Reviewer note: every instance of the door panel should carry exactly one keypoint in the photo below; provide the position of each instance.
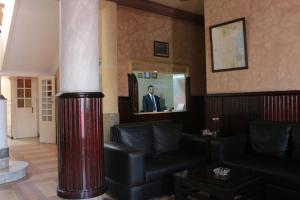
(47, 110)
(25, 122)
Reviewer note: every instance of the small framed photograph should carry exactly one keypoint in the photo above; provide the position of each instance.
(140, 75)
(147, 75)
(154, 75)
(161, 49)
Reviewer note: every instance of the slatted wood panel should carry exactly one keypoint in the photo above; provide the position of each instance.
(282, 108)
(80, 145)
(213, 109)
(236, 110)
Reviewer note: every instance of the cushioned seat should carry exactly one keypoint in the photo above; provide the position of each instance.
(281, 172)
(164, 165)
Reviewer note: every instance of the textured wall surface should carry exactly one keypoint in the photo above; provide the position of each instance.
(138, 29)
(273, 42)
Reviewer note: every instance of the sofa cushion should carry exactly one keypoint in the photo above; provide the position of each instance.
(296, 142)
(138, 137)
(278, 171)
(269, 139)
(165, 165)
(166, 137)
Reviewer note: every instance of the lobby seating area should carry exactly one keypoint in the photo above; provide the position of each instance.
(141, 158)
(150, 99)
(270, 148)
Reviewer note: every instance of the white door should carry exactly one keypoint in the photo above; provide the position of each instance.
(47, 110)
(25, 120)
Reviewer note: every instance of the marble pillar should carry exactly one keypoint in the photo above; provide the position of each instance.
(79, 104)
(9, 170)
(4, 153)
(79, 46)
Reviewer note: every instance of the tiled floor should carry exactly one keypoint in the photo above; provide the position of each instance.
(41, 180)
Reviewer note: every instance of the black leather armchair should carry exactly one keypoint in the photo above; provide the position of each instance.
(228, 148)
(124, 164)
(135, 174)
(269, 148)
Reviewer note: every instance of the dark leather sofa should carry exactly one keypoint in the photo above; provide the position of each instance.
(141, 158)
(273, 149)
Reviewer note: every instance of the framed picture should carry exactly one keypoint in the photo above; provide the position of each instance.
(161, 49)
(228, 46)
(154, 75)
(140, 75)
(147, 75)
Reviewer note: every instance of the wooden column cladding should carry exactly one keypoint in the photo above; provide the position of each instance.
(80, 145)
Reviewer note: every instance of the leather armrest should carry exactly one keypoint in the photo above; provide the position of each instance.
(195, 144)
(228, 147)
(124, 164)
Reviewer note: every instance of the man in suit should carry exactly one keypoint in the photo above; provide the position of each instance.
(151, 101)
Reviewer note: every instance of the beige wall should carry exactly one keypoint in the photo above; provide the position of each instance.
(138, 29)
(273, 37)
(109, 67)
(109, 57)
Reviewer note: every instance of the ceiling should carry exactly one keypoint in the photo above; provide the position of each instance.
(33, 39)
(192, 6)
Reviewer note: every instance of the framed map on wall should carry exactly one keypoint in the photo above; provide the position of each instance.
(228, 46)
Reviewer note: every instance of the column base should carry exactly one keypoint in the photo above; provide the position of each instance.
(4, 158)
(4, 163)
(80, 194)
(15, 171)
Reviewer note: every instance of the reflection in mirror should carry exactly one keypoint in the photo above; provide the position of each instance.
(160, 92)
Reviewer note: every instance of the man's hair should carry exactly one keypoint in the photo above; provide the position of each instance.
(150, 86)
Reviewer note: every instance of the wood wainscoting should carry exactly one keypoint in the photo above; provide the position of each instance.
(231, 112)
(192, 120)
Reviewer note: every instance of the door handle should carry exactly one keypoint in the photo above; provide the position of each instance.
(31, 109)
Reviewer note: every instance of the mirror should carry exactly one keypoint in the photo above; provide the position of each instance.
(155, 92)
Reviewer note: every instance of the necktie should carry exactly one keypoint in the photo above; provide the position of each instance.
(153, 102)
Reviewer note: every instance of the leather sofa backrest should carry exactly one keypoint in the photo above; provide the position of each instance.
(136, 135)
(295, 142)
(115, 134)
(270, 139)
(166, 137)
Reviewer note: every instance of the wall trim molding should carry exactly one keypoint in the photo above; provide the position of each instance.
(237, 94)
(161, 10)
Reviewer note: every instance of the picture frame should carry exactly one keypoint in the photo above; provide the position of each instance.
(228, 46)
(147, 75)
(161, 49)
(154, 75)
(140, 75)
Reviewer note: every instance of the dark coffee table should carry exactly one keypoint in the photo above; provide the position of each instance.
(201, 184)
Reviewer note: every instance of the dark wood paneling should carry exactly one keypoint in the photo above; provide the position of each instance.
(161, 10)
(80, 145)
(213, 112)
(192, 120)
(124, 105)
(236, 110)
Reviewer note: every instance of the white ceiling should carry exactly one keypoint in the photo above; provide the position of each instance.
(192, 6)
(34, 38)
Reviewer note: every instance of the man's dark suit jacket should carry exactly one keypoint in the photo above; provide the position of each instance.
(148, 105)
